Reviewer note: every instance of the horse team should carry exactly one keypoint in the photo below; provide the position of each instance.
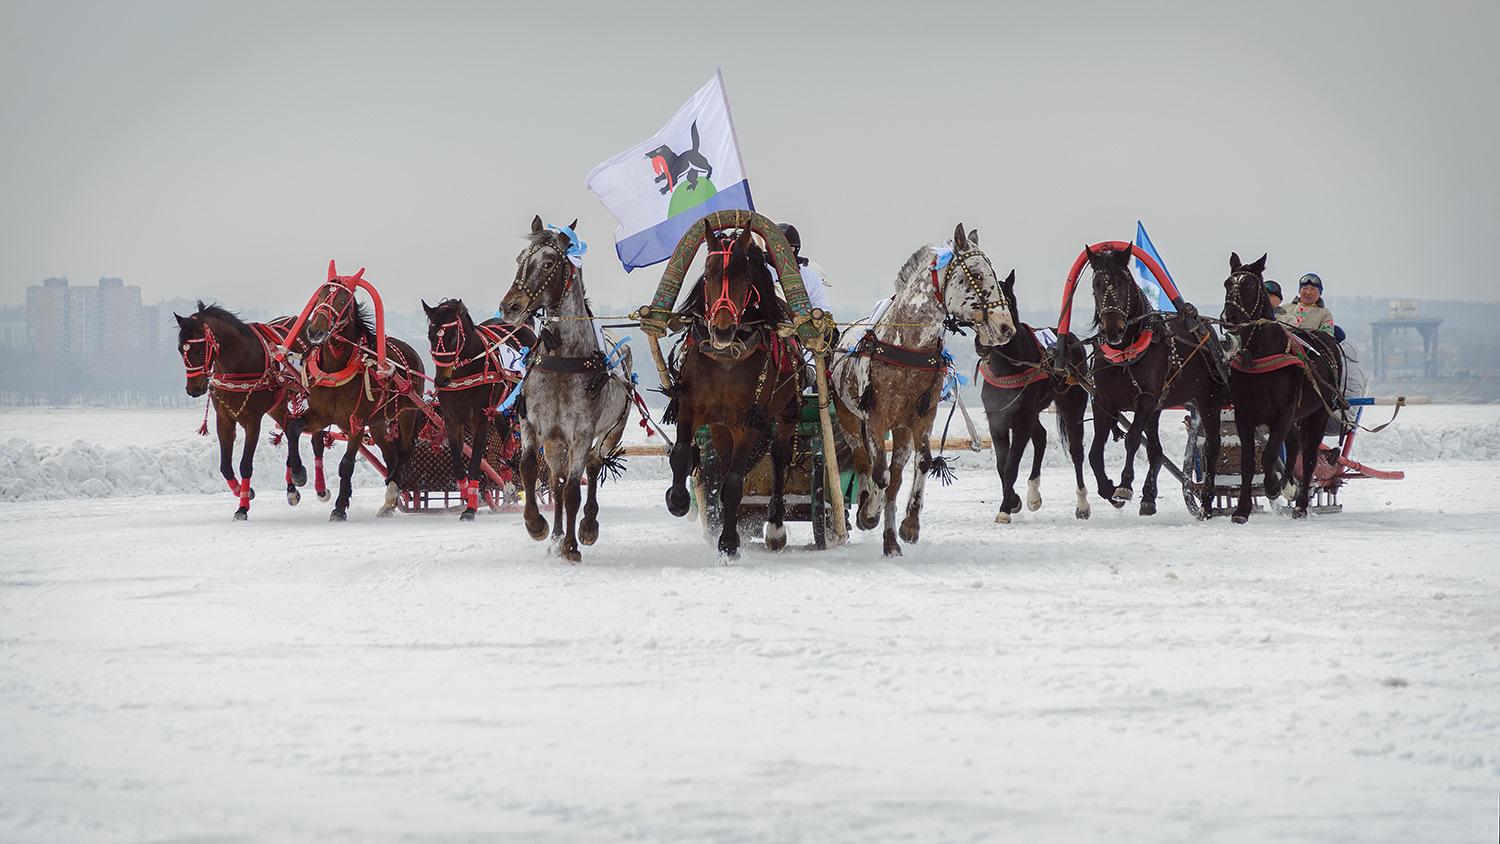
(740, 371)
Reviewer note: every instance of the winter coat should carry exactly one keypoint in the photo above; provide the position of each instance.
(1311, 317)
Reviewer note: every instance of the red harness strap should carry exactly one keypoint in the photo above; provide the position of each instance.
(1030, 375)
(1271, 363)
(1129, 353)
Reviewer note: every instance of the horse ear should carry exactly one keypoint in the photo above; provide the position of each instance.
(332, 273)
(536, 224)
(974, 238)
(746, 238)
(201, 306)
(960, 242)
(426, 309)
(1234, 262)
(1259, 266)
(181, 323)
(1010, 280)
(574, 227)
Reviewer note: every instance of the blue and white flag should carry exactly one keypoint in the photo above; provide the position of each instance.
(660, 188)
(1146, 278)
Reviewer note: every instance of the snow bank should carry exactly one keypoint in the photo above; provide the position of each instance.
(186, 464)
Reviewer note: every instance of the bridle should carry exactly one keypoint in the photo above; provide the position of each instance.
(712, 307)
(336, 315)
(1114, 291)
(441, 354)
(974, 281)
(210, 348)
(1233, 284)
(533, 290)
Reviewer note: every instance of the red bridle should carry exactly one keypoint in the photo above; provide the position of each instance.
(724, 300)
(441, 354)
(210, 347)
(336, 316)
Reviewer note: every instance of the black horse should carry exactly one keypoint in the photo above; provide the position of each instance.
(1017, 387)
(1144, 361)
(1282, 377)
(472, 378)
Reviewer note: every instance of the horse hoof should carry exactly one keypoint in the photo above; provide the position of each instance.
(1299, 513)
(867, 524)
(588, 532)
(892, 549)
(299, 477)
(1082, 513)
(293, 497)
(242, 514)
(1148, 508)
(910, 533)
(728, 555)
(323, 495)
(1238, 519)
(775, 537)
(1118, 503)
(467, 515)
(386, 512)
(1033, 504)
(1002, 518)
(537, 529)
(252, 493)
(338, 515)
(677, 501)
(571, 555)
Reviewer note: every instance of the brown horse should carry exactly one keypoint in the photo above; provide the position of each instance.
(738, 376)
(473, 373)
(573, 402)
(231, 360)
(891, 383)
(347, 387)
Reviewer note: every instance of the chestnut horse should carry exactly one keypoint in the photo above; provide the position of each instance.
(573, 402)
(892, 380)
(1284, 378)
(347, 387)
(231, 360)
(1144, 361)
(736, 375)
(475, 368)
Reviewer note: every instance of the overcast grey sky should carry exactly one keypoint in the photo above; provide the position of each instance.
(229, 150)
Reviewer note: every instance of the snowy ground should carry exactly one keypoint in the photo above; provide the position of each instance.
(167, 674)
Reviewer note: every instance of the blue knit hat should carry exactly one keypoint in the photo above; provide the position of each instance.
(1311, 278)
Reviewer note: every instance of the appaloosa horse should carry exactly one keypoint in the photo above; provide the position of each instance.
(475, 368)
(1144, 361)
(1284, 378)
(232, 360)
(892, 380)
(575, 399)
(1017, 385)
(348, 386)
(739, 377)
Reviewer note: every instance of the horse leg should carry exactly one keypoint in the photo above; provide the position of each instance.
(872, 488)
(588, 529)
(1016, 438)
(571, 477)
(1244, 426)
(732, 491)
(1000, 442)
(1038, 451)
(296, 473)
(558, 466)
(900, 452)
(1133, 437)
(319, 444)
(1210, 418)
(473, 475)
(1104, 422)
(911, 526)
(1311, 435)
(247, 465)
(391, 452)
(1070, 424)
(355, 436)
(781, 461)
(536, 525)
(681, 460)
(1153, 464)
(225, 428)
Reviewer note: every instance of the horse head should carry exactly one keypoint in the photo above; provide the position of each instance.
(738, 294)
(1118, 300)
(1245, 296)
(543, 274)
(196, 342)
(972, 294)
(448, 324)
(334, 307)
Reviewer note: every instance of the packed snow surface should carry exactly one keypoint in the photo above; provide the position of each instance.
(168, 674)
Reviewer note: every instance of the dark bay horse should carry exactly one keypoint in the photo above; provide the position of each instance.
(573, 403)
(1284, 378)
(475, 368)
(893, 380)
(736, 375)
(232, 360)
(347, 387)
(1145, 361)
(1017, 386)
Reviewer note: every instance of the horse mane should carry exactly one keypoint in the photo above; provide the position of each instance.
(362, 321)
(222, 314)
(920, 258)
